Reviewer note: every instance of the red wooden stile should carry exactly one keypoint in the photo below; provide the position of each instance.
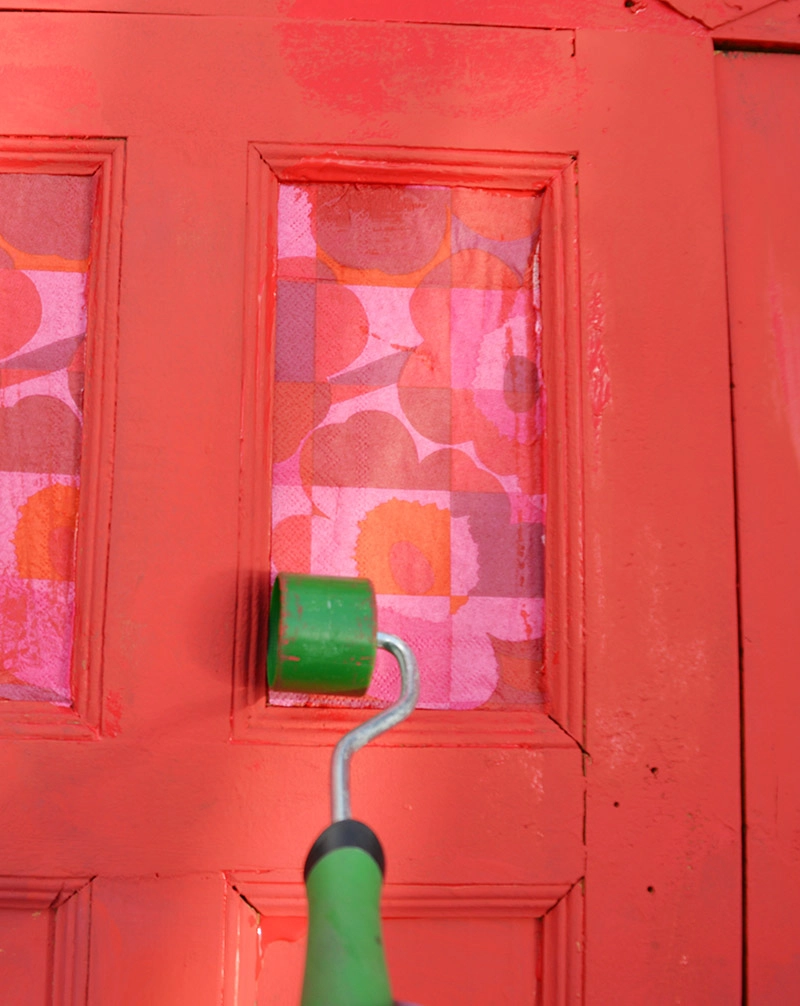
(759, 106)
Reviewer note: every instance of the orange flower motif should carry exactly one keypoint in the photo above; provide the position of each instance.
(404, 548)
(45, 536)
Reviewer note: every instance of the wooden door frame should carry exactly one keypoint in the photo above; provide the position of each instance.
(561, 723)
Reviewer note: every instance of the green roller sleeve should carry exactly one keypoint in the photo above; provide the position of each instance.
(322, 633)
(345, 961)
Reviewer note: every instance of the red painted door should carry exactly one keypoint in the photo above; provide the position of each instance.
(558, 835)
(759, 106)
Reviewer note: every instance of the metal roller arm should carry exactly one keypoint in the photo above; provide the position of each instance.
(372, 728)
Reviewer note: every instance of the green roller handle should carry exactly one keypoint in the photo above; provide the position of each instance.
(345, 960)
(322, 634)
(322, 640)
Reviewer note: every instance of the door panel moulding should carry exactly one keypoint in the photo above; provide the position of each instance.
(554, 175)
(70, 901)
(555, 909)
(105, 159)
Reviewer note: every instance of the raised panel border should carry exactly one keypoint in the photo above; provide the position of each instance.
(105, 158)
(557, 907)
(70, 898)
(560, 722)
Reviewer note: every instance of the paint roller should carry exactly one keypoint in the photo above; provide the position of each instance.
(322, 640)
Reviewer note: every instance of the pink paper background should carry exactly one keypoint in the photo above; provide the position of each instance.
(45, 230)
(409, 424)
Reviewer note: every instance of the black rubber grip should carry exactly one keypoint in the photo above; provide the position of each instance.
(348, 834)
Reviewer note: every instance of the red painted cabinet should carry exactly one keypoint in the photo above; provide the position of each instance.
(582, 845)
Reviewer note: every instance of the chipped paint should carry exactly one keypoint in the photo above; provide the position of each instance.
(599, 377)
